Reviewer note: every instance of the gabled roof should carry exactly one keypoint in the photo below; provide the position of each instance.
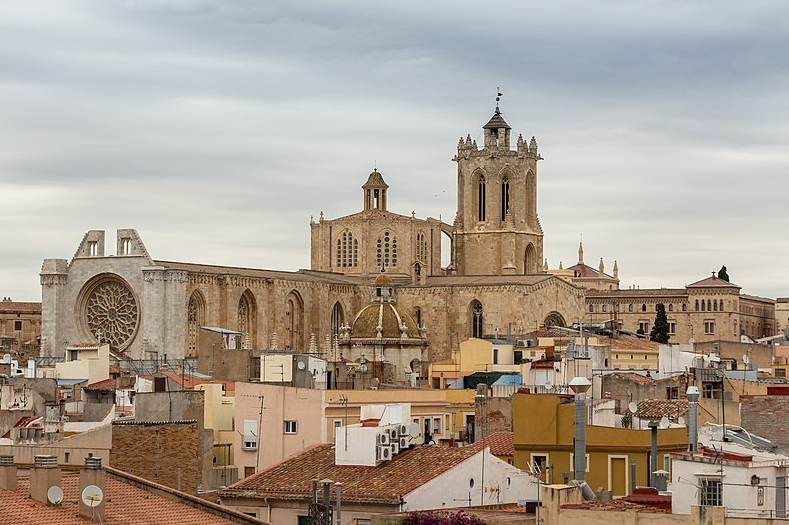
(584, 270)
(387, 483)
(712, 281)
(129, 501)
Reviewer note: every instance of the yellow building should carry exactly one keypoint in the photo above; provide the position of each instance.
(477, 355)
(629, 353)
(543, 432)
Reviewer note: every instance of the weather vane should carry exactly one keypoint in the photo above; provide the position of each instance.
(499, 94)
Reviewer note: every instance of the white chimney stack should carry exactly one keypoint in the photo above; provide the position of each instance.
(44, 475)
(7, 473)
(91, 490)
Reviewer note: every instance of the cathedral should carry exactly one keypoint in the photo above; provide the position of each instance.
(375, 280)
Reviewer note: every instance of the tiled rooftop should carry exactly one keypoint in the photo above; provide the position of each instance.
(129, 501)
(387, 483)
(500, 444)
(657, 408)
(16, 306)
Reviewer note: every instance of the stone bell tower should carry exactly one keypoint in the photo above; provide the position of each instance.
(497, 231)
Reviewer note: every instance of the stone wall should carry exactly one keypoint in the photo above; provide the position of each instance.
(165, 453)
(766, 416)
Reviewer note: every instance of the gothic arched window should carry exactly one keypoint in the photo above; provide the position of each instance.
(721, 305)
(481, 198)
(530, 260)
(421, 247)
(476, 319)
(505, 197)
(294, 321)
(195, 316)
(337, 319)
(347, 250)
(386, 254)
(697, 305)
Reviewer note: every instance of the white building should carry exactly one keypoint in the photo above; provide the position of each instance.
(738, 474)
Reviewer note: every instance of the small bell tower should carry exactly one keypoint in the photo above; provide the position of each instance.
(375, 192)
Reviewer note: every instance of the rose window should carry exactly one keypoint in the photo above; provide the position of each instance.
(111, 313)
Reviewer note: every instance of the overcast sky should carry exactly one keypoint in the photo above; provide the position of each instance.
(217, 128)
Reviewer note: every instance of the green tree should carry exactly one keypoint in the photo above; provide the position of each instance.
(659, 331)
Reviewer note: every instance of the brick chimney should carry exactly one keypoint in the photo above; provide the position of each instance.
(7, 473)
(91, 500)
(44, 475)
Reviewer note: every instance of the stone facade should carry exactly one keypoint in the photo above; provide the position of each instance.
(20, 326)
(147, 308)
(708, 310)
(766, 416)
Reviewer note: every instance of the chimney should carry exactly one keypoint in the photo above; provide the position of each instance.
(44, 475)
(91, 490)
(7, 473)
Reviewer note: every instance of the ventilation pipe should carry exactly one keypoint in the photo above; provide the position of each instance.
(7, 473)
(580, 385)
(693, 409)
(327, 501)
(338, 501)
(633, 483)
(653, 426)
(44, 475)
(91, 490)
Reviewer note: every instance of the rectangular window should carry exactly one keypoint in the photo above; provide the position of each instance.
(710, 492)
(290, 427)
(250, 435)
(672, 327)
(436, 425)
(709, 327)
(495, 356)
(605, 308)
(18, 325)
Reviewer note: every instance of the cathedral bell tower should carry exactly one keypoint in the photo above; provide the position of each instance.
(496, 229)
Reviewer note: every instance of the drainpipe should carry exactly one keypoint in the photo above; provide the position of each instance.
(338, 486)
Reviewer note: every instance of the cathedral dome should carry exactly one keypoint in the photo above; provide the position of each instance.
(389, 317)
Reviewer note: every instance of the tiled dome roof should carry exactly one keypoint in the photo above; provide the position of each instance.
(386, 315)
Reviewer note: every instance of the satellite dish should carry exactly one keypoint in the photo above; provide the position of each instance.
(664, 422)
(301, 365)
(55, 495)
(413, 430)
(681, 420)
(548, 386)
(633, 407)
(92, 496)
(745, 358)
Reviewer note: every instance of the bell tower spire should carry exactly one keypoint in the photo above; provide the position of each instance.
(497, 231)
(375, 192)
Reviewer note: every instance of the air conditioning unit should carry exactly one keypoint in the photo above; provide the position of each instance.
(383, 453)
(382, 439)
(395, 447)
(393, 434)
(402, 430)
(403, 443)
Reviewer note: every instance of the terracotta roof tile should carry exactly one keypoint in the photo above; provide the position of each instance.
(129, 501)
(500, 444)
(16, 306)
(386, 483)
(586, 271)
(657, 408)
